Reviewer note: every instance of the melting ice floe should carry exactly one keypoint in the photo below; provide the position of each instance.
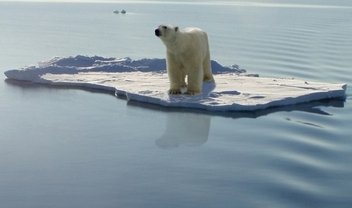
(145, 80)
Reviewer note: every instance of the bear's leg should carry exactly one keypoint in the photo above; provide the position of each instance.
(175, 84)
(195, 81)
(183, 78)
(177, 81)
(175, 76)
(208, 75)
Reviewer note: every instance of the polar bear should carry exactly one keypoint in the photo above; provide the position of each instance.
(187, 54)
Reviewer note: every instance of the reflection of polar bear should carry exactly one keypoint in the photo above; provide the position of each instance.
(187, 55)
(184, 129)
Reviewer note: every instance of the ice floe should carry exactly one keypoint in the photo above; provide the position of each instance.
(145, 80)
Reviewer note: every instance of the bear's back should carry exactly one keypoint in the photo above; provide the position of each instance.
(192, 30)
(194, 34)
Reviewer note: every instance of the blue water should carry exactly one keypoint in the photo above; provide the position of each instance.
(74, 148)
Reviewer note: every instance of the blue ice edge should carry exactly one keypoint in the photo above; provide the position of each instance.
(335, 94)
(74, 65)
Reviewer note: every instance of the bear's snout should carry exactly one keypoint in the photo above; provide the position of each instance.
(157, 32)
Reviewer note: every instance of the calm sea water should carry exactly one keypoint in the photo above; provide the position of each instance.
(74, 148)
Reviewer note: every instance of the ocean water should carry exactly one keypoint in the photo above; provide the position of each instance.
(74, 148)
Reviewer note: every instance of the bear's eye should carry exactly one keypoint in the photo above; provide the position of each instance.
(164, 27)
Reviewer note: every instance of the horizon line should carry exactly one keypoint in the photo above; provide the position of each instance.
(240, 3)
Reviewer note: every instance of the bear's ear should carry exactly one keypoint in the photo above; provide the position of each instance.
(176, 29)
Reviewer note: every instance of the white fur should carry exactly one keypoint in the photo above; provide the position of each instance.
(187, 55)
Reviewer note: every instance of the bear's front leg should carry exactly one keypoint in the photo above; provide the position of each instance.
(195, 81)
(174, 91)
(175, 82)
(176, 75)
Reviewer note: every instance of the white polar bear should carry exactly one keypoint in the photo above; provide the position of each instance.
(187, 55)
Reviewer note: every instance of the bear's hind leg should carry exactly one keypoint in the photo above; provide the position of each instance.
(208, 75)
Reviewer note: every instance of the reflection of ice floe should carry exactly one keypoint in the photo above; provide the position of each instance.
(145, 80)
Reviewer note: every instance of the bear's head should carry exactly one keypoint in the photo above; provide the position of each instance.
(166, 32)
